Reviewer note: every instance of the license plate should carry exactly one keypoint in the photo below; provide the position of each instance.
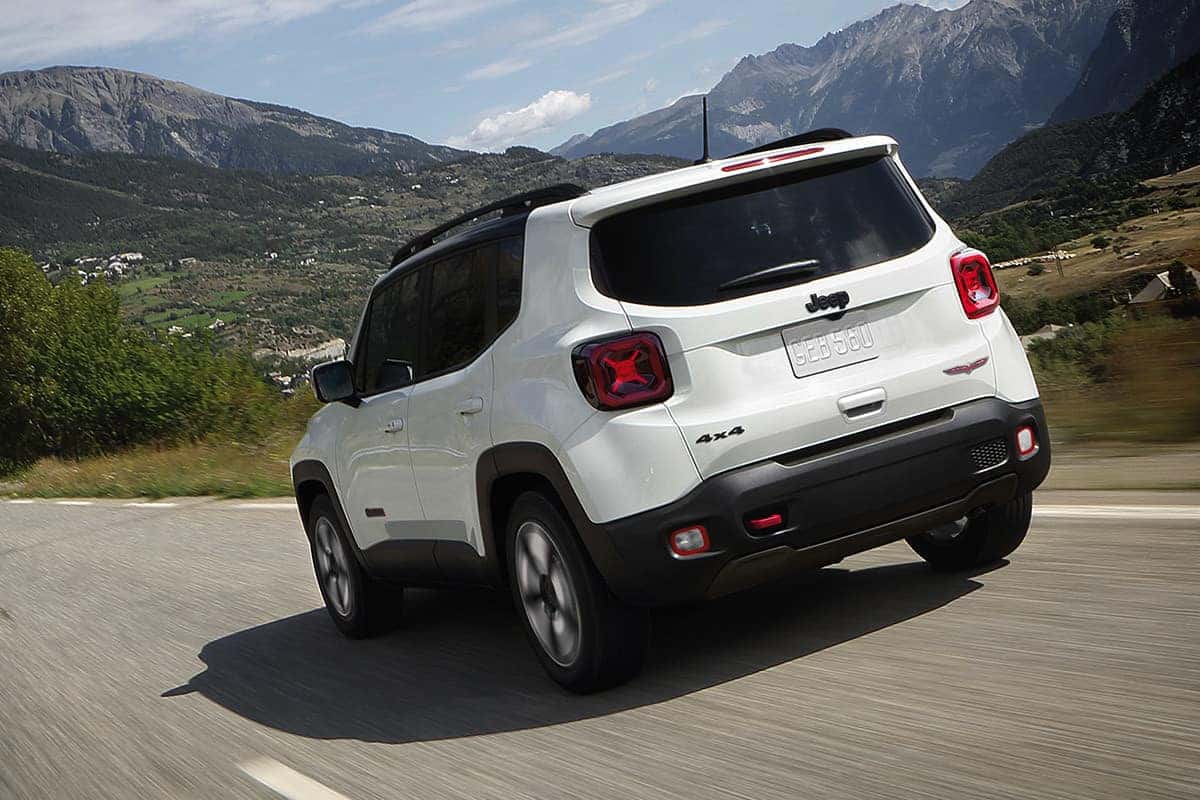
(811, 352)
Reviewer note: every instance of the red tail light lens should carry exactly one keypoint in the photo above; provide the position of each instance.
(976, 285)
(623, 373)
(1027, 443)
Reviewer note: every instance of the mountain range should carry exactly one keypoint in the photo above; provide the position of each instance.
(98, 109)
(953, 86)
(1157, 135)
(1143, 40)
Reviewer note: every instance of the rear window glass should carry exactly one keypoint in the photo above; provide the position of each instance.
(803, 225)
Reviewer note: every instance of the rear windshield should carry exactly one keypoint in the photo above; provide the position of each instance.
(799, 226)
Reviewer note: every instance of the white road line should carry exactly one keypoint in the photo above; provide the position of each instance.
(1119, 512)
(266, 506)
(287, 782)
(151, 505)
(20, 502)
(72, 502)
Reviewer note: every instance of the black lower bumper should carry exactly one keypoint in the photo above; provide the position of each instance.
(851, 495)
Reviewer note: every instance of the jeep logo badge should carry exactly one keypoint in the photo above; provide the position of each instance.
(821, 302)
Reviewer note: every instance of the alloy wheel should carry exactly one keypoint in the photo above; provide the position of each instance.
(547, 593)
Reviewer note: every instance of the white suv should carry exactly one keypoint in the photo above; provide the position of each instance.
(670, 389)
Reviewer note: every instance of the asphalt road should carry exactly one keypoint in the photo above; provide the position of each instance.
(179, 650)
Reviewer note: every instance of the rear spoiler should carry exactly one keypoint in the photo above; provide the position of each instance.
(782, 157)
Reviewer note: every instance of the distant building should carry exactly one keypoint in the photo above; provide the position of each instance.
(129, 258)
(1159, 288)
(188, 261)
(217, 325)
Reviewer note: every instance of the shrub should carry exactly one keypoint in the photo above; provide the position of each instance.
(79, 380)
(1100, 242)
(1183, 282)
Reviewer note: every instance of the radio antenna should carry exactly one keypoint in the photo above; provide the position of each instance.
(704, 158)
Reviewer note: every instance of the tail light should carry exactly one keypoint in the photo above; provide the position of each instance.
(976, 285)
(623, 373)
(1027, 443)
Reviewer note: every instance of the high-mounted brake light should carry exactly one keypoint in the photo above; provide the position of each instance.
(775, 159)
(976, 284)
(808, 151)
(742, 165)
(624, 372)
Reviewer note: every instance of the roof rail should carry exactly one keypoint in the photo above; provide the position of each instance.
(516, 204)
(819, 135)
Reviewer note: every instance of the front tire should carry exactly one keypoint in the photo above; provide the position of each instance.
(977, 540)
(585, 638)
(358, 605)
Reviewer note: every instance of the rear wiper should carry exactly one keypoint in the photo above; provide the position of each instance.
(773, 274)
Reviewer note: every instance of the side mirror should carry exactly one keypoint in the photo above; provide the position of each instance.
(333, 381)
(394, 374)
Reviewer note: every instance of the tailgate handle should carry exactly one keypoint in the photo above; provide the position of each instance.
(862, 404)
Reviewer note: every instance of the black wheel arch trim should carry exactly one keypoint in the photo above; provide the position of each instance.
(531, 458)
(313, 471)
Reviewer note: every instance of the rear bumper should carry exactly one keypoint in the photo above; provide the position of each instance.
(851, 495)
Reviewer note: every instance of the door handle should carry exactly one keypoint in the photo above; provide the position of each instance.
(472, 405)
(394, 426)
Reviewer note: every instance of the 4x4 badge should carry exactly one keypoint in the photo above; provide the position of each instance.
(966, 369)
(737, 430)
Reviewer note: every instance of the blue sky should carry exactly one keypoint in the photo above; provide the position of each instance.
(475, 73)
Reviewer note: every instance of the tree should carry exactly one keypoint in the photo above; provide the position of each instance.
(78, 379)
(1100, 242)
(1182, 280)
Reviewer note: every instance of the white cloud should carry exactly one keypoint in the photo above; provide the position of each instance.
(650, 86)
(38, 32)
(700, 30)
(498, 69)
(430, 14)
(608, 77)
(606, 17)
(943, 4)
(548, 111)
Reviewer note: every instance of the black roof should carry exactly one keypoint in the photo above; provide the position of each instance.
(517, 205)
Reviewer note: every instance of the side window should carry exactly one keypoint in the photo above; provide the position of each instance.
(392, 328)
(508, 281)
(456, 317)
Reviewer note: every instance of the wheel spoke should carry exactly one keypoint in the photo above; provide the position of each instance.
(540, 621)
(565, 634)
(528, 581)
(538, 548)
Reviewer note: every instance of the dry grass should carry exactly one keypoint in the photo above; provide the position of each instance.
(214, 468)
(1150, 390)
(1158, 239)
(221, 470)
(1184, 177)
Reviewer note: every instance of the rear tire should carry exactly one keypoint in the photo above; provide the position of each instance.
(586, 639)
(985, 538)
(358, 605)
